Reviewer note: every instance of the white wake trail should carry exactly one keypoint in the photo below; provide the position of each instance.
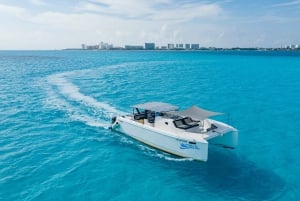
(71, 92)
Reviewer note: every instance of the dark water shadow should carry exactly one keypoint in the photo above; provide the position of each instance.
(231, 176)
(226, 173)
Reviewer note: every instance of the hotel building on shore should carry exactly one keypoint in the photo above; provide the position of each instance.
(147, 46)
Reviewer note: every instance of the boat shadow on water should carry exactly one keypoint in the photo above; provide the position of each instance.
(231, 176)
(226, 174)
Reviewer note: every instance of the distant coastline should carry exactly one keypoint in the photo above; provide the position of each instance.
(181, 47)
(200, 49)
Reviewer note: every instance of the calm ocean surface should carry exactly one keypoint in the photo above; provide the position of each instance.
(56, 107)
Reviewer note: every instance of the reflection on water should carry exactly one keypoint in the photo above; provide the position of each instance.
(231, 176)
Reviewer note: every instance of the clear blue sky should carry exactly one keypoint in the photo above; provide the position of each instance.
(45, 24)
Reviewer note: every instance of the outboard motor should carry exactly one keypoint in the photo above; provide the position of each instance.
(113, 120)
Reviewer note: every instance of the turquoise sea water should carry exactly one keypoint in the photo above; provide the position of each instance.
(56, 107)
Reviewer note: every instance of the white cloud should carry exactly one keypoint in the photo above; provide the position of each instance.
(153, 10)
(128, 8)
(90, 7)
(190, 12)
(12, 10)
(39, 2)
(290, 3)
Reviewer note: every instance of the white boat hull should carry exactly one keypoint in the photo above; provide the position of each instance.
(229, 140)
(168, 142)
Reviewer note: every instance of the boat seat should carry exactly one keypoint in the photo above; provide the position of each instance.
(190, 122)
(180, 123)
(212, 128)
(151, 117)
(139, 116)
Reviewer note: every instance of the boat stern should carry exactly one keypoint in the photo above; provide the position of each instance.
(114, 123)
(228, 139)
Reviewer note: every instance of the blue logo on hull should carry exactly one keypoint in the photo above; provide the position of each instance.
(188, 146)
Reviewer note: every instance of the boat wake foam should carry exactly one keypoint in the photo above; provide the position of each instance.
(66, 96)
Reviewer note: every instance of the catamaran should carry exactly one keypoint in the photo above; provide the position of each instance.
(186, 133)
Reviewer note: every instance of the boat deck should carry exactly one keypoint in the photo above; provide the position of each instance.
(205, 129)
